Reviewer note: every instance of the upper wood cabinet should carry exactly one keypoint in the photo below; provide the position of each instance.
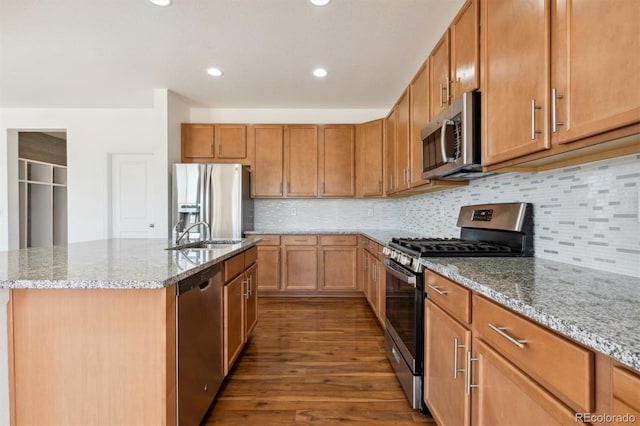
(225, 143)
(231, 141)
(440, 76)
(403, 160)
(419, 95)
(197, 141)
(301, 160)
(515, 101)
(369, 170)
(390, 186)
(268, 168)
(563, 74)
(464, 40)
(337, 160)
(595, 67)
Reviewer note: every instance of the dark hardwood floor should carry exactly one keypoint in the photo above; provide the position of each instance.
(314, 360)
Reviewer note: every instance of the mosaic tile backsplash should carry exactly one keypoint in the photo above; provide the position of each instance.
(585, 215)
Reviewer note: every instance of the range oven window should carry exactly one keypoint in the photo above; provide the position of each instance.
(404, 310)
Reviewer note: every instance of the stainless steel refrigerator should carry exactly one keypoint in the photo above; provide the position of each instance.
(218, 194)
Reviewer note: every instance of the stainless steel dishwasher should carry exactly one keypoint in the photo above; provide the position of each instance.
(199, 343)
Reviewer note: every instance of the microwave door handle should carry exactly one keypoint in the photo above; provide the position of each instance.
(443, 132)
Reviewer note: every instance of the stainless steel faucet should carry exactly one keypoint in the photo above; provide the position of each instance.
(193, 225)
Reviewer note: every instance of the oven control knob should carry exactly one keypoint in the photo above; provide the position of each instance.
(404, 260)
(394, 255)
(415, 265)
(386, 251)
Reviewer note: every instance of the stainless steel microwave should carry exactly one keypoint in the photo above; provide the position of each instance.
(451, 141)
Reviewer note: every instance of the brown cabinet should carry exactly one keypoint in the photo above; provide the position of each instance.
(226, 143)
(515, 103)
(337, 161)
(374, 277)
(269, 276)
(338, 263)
(464, 35)
(446, 347)
(240, 303)
(503, 395)
(390, 186)
(370, 149)
(197, 142)
(625, 392)
(231, 141)
(301, 160)
(595, 77)
(403, 160)
(562, 81)
(419, 95)
(268, 168)
(440, 76)
(300, 262)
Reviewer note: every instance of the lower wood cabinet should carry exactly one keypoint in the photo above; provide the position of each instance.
(625, 393)
(337, 263)
(445, 357)
(240, 304)
(269, 260)
(300, 268)
(374, 277)
(504, 395)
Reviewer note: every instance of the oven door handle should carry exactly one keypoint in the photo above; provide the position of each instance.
(400, 273)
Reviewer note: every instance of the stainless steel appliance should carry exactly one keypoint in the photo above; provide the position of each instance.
(199, 313)
(216, 194)
(504, 229)
(451, 141)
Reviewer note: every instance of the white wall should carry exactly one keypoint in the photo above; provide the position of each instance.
(282, 115)
(92, 134)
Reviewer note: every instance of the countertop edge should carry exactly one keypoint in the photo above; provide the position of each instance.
(570, 331)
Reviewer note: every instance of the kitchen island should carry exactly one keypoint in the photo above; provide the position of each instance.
(92, 330)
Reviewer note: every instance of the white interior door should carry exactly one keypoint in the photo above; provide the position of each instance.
(131, 195)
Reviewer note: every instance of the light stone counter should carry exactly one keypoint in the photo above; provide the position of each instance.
(600, 310)
(116, 263)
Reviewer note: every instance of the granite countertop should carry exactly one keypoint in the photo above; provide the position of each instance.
(600, 310)
(114, 264)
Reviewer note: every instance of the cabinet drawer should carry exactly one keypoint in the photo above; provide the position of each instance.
(268, 240)
(338, 240)
(453, 297)
(250, 257)
(233, 267)
(299, 240)
(626, 392)
(560, 365)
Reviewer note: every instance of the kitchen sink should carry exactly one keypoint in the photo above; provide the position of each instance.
(205, 245)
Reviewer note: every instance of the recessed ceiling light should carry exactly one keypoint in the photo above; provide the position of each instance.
(320, 72)
(214, 72)
(162, 2)
(320, 2)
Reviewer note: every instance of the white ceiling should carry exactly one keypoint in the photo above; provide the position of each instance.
(113, 53)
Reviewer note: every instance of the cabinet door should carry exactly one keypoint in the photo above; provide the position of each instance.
(337, 161)
(197, 142)
(234, 325)
(516, 78)
(440, 76)
(595, 75)
(446, 345)
(403, 163)
(302, 161)
(338, 268)
(231, 141)
(267, 173)
(370, 149)
(268, 268)
(419, 118)
(465, 49)
(506, 396)
(390, 152)
(372, 294)
(251, 297)
(300, 267)
(381, 274)
(366, 277)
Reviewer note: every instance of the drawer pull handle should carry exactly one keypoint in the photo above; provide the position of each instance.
(500, 331)
(437, 290)
(301, 240)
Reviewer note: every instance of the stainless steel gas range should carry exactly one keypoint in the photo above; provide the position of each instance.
(489, 230)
